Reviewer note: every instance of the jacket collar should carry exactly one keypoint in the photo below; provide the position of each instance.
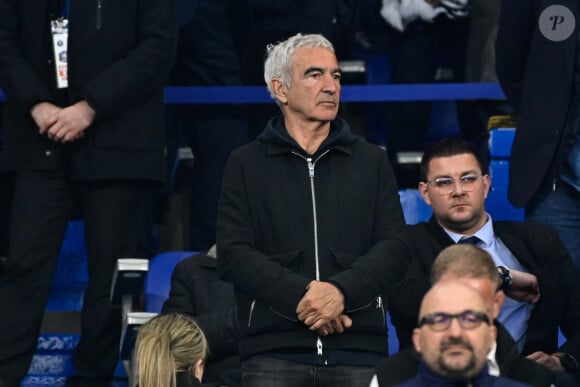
(279, 141)
(432, 379)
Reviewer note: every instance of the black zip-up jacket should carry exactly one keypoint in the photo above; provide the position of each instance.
(287, 218)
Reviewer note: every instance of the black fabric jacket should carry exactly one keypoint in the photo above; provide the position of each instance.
(537, 247)
(425, 377)
(119, 55)
(197, 291)
(404, 365)
(537, 76)
(282, 211)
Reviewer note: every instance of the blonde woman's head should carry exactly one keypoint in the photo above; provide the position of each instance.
(168, 344)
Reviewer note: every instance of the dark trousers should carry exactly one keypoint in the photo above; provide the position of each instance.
(265, 371)
(43, 202)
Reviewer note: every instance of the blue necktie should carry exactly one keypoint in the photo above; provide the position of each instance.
(472, 240)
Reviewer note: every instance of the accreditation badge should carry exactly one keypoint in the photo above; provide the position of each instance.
(59, 29)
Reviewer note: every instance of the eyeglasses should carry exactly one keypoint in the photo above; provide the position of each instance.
(446, 185)
(468, 319)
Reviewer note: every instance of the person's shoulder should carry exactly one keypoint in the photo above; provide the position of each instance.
(195, 261)
(527, 227)
(422, 231)
(398, 368)
(366, 148)
(534, 234)
(527, 372)
(248, 148)
(249, 154)
(501, 381)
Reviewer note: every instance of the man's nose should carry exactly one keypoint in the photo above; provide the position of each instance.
(458, 187)
(455, 329)
(331, 84)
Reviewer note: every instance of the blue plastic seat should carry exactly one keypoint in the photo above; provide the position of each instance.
(158, 279)
(497, 203)
(415, 209)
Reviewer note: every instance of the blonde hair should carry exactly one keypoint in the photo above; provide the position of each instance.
(464, 260)
(168, 344)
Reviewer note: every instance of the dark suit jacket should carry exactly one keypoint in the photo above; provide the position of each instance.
(120, 55)
(537, 247)
(198, 292)
(404, 365)
(536, 74)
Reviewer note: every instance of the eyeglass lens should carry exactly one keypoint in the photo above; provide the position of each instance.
(441, 321)
(446, 185)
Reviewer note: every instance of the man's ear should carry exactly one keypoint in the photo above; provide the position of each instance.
(416, 339)
(499, 298)
(423, 191)
(486, 184)
(279, 89)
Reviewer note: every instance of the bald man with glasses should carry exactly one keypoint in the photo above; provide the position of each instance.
(475, 268)
(453, 337)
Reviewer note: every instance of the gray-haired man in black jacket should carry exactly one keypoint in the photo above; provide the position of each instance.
(307, 220)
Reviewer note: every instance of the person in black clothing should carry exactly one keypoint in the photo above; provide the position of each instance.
(197, 291)
(83, 124)
(538, 68)
(206, 56)
(170, 351)
(308, 217)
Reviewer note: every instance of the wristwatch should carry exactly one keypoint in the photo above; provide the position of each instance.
(568, 361)
(505, 277)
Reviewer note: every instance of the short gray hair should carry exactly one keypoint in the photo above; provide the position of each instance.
(279, 56)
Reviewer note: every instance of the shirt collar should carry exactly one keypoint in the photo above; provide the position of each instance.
(492, 364)
(485, 233)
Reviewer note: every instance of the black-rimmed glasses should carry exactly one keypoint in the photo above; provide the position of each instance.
(468, 319)
(446, 185)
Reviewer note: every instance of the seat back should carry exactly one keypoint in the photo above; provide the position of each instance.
(497, 203)
(415, 209)
(158, 279)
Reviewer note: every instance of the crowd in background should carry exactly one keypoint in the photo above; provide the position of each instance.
(224, 43)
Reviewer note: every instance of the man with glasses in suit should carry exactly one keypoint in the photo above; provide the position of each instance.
(535, 269)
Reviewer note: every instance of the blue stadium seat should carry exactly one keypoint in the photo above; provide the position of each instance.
(70, 277)
(392, 335)
(158, 279)
(497, 203)
(415, 209)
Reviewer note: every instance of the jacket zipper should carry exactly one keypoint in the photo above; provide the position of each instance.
(99, 14)
(251, 312)
(311, 164)
(378, 300)
(253, 304)
(381, 306)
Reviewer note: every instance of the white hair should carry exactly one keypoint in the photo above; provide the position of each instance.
(279, 57)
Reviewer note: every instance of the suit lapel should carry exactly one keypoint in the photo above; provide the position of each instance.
(440, 235)
(516, 243)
